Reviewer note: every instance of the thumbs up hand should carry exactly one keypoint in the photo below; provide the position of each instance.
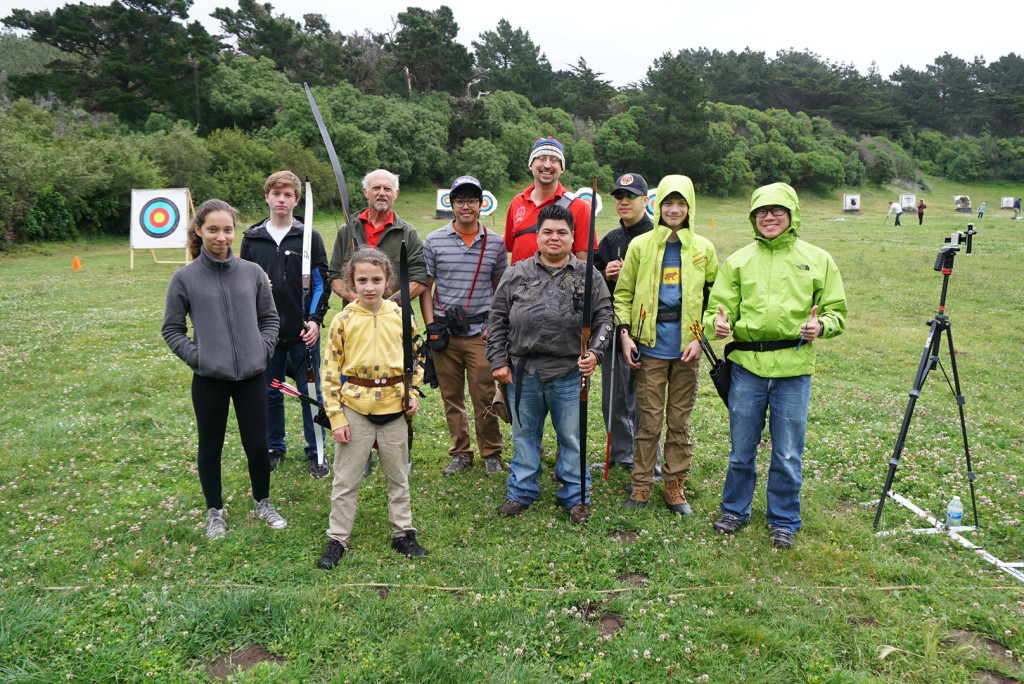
(722, 327)
(812, 328)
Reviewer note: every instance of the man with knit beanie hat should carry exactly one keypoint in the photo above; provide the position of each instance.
(546, 163)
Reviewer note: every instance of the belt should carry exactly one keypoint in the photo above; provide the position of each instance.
(374, 382)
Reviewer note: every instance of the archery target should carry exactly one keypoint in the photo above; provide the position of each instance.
(159, 218)
(444, 200)
(851, 202)
(443, 208)
(489, 204)
(588, 194)
(651, 196)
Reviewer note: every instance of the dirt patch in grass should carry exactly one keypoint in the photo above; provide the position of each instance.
(383, 592)
(609, 622)
(972, 642)
(623, 536)
(637, 579)
(862, 621)
(241, 660)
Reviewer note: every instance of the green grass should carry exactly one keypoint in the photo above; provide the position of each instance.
(105, 574)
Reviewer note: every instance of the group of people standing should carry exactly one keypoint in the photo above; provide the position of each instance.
(516, 321)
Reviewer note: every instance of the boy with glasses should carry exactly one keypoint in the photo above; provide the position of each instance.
(775, 297)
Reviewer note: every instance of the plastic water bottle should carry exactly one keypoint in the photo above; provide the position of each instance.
(955, 512)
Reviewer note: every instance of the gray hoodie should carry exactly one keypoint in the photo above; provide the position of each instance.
(233, 317)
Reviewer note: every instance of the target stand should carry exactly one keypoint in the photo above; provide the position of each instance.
(160, 220)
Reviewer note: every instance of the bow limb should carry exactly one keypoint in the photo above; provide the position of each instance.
(339, 175)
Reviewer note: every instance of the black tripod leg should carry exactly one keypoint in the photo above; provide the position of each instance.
(929, 357)
(960, 401)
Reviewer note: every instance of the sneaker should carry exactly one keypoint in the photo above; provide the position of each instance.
(579, 514)
(216, 526)
(674, 497)
(318, 471)
(727, 524)
(783, 539)
(408, 546)
(265, 511)
(511, 508)
(332, 554)
(638, 498)
(275, 459)
(459, 463)
(492, 465)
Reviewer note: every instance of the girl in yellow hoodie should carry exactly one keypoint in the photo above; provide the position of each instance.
(363, 395)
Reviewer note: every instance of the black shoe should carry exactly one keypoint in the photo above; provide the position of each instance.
(408, 546)
(783, 539)
(332, 554)
(318, 471)
(727, 524)
(275, 459)
(459, 463)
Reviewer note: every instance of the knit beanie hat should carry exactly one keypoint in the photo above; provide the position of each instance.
(547, 146)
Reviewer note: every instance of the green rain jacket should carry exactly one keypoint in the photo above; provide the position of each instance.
(768, 288)
(640, 278)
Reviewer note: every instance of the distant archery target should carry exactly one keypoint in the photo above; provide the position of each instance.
(443, 207)
(588, 194)
(159, 217)
(489, 204)
(444, 200)
(651, 196)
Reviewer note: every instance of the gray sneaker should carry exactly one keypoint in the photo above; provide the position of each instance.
(216, 526)
(459, 463)
(265, 511)
(492, 465)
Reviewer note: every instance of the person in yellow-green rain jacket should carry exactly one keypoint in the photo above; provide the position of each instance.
(775, 297)
(662, 288)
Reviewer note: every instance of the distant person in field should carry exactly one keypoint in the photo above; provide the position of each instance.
(546, 163)
(1016, 209)
(776, 297)
(895, 207)
(981, 210)
(234, 332)
(275, 243)
(921, 206)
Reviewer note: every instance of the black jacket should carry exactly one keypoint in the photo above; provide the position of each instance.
(613, 246)
(283, 265)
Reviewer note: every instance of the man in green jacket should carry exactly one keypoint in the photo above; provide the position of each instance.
(661, 289)
(775, 297)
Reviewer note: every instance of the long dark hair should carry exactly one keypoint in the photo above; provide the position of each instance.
(202, 211)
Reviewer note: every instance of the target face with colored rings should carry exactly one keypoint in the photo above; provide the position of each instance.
(487, 204)
(159, 217)
(446, 200)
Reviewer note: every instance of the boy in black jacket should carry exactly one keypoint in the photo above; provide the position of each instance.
(276, 245)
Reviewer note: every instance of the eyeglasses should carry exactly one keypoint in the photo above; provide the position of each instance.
(465, 202)
(774, 211)
(625, 195)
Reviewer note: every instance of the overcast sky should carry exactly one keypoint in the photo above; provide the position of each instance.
(622, 41)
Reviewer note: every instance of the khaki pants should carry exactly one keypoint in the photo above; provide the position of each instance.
(349, 462)
(463, 360)
(651, 381)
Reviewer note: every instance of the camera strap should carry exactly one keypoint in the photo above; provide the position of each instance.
(479, 262)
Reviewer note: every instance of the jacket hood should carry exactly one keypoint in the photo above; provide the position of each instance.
(779, 194)
(684, 186)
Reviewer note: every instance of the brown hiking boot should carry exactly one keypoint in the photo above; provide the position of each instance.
(674, 497)
(638, 498)
(579, 514)
(511, 508)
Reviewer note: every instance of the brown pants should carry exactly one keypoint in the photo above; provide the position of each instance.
(651, 381)
(463, 360)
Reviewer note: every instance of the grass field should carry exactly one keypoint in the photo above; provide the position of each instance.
(106, 575)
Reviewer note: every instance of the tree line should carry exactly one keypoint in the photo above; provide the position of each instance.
(214, 113)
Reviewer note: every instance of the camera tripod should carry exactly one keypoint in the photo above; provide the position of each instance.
(938, 326)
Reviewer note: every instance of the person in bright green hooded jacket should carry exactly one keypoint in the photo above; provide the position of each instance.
(776, 297)
(665, 277)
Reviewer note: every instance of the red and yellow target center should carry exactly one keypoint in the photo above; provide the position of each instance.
(159, 218)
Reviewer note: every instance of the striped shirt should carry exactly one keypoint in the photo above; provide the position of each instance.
(451, 264)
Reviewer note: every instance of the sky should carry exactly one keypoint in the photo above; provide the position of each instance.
(622, 43)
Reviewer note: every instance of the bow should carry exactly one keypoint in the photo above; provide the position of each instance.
(310, 297)
(408, 356)
(331, 154)
(587, 324)
(292, 391)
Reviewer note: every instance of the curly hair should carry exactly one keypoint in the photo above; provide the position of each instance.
(202, 211)
(374, 257)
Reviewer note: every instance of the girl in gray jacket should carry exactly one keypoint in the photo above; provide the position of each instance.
(235, 328)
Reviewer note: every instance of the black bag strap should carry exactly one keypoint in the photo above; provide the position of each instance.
(472, 285)
(768, 345)
(564, 201)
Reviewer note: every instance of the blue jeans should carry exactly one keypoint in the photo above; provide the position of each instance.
(787, 399)
(561, 398)
(296, 351)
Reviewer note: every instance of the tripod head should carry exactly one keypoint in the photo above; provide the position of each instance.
(944, 260)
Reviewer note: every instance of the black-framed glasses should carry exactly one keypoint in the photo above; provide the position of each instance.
(472, 202)
(626, 195)
(777, 212)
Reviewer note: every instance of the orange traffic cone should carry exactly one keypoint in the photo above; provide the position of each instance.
(76, 265)
(712, 223)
